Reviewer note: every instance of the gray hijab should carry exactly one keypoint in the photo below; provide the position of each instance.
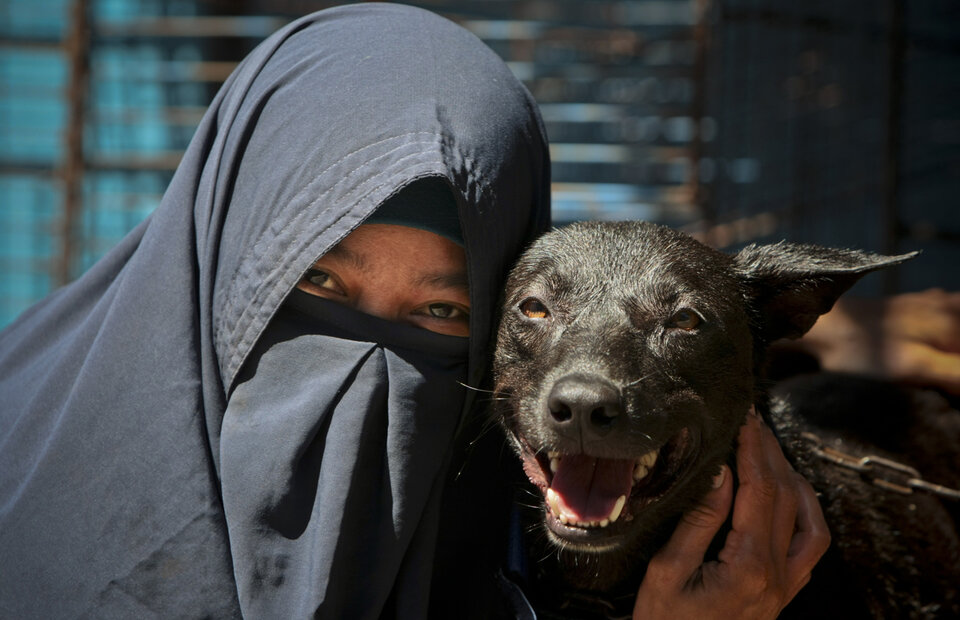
(135, 403)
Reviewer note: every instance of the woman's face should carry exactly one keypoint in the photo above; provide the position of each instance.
(397, 273)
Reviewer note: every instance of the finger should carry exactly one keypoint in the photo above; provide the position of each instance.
(812, 537)
(810, 542)
(683, 554)
(787, 494)
(753, 509)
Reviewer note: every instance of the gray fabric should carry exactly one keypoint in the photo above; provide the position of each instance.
(360, 408)
(113, 474)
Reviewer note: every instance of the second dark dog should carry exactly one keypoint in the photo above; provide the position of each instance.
(627, 357)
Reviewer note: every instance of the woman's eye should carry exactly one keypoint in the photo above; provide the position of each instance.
(443, 318)
(445, 311)
(534, 309)
(685, 319)
(322, 279)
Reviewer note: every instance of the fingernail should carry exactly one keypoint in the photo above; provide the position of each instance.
(719, 478)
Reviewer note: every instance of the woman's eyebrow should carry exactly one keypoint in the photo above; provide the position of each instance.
(454, 279)
(344, 255)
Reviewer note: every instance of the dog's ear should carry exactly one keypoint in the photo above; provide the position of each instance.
(789, 285)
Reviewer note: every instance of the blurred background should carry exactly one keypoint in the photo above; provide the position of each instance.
(736, 120)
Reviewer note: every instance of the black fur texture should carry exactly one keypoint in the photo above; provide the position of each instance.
(650, 340)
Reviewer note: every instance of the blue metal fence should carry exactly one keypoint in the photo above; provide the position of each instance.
(739, 120)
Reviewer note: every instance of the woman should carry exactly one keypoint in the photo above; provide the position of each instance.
(183, 433)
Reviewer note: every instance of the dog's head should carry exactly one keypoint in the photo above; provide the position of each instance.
(625, 366)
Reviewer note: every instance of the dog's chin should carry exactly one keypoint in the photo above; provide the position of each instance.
(629, 489)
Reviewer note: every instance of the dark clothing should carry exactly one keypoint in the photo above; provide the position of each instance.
(147, 467)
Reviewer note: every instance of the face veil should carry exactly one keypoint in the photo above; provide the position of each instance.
(148, 464)
(359, 409)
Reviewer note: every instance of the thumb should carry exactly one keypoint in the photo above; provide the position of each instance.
(683, 554)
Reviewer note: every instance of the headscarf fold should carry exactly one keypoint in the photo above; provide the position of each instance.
(116, 460)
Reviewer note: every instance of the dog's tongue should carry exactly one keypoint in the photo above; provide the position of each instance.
(588, 488)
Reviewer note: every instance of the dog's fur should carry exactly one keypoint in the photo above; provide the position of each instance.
(622, 338)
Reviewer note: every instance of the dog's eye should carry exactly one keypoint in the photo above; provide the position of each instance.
(685, 319)
(534, 309)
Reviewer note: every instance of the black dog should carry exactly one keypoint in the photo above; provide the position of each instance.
(627, 358)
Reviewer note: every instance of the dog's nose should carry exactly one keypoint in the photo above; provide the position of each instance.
(590, 402)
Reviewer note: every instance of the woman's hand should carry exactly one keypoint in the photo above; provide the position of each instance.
(778, 535)
(913, 337)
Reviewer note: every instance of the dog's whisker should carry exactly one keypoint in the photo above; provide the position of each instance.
(486, 425)
(633, 383)
(475, 389)
(550, 552)
(486, 428)
(529, 491)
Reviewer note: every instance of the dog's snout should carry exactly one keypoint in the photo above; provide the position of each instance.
(589, 402)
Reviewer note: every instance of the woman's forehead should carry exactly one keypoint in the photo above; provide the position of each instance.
(419, 256)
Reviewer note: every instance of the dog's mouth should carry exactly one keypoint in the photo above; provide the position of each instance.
(588, 500)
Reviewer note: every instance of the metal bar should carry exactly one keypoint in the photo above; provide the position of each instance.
(255, 27)
(891, 202)
(24, 168)
(837, 26)
(77, 48)
(160, 161)
(700, 193)
(33, 44)
(189, 116)
(176, 72)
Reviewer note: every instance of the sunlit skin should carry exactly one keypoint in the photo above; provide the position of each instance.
(397, 273)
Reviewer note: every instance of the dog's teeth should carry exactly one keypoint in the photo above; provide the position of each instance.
(552, 454)
(605, 523)
(554, 464)
(649, 459)
(552, 501)
(640, 472)
(644, 464)
(618, 508)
